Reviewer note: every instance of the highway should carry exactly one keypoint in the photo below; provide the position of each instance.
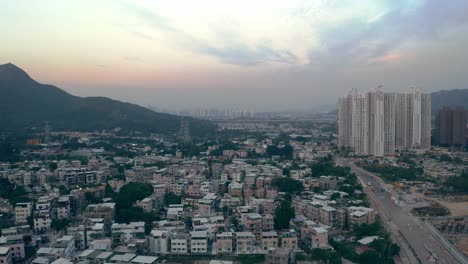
(415, 240)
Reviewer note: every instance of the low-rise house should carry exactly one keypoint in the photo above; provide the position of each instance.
(288, 239)
(269, 240)
(244, 242)
(199, 242)
(224, 242)
(179, 243)
(160, 241)
(319, 238)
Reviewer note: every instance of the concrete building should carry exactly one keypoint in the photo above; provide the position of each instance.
(22, 212)
(280, 256)
(179, 243)
(5, 255)
(160, 242)
(224, 242)
(16, 245)
(199, 242)
(288, 239)
(358, 215)
(451, 126)
(269, 240)
(42, 215)
(244, 242)
(63, 207)
(375, 123)
(319, 237)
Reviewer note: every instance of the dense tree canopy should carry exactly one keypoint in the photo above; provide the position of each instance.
(392, 173)
(284, 213)
(459, 183)
(285, 152)
(132, 192)
(288, 185)
(11, 192)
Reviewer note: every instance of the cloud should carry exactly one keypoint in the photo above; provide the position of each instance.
(245, 56)
(228, 51)
(359, 41)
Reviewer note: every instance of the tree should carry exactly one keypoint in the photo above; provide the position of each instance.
(283, 214)
(12, 192)
(53, 166)
(59, 224)
(288, 185)
(335, 196)
(445, 157)
(171, 198)
(188, 222)
(90, 198)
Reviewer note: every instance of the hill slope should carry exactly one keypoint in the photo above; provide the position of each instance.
(27, 103)
(450, 98)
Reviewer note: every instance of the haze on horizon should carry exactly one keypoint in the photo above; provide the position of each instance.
(263, 55)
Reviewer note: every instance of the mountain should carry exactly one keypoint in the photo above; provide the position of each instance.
(451, 98)
(26, 103)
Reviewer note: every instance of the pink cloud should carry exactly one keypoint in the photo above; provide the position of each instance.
(389, 57)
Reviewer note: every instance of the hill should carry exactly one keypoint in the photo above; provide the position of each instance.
(26, 103)
(452, 98)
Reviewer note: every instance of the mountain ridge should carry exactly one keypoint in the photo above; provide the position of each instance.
(25, 102)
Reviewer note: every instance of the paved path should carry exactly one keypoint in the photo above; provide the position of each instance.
(415, 240)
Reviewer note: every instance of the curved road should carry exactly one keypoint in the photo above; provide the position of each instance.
(414, 238)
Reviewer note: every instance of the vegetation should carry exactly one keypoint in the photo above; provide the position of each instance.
(285, 152)
(458, 183)
(284, 213)
(322, 255)
(59, 224)
(9, 152)
(171, 198)
(126, 197)
(325, 166)
(41, 102)
(288, 185)
(392, 173)
(15, 194)
(382, 250)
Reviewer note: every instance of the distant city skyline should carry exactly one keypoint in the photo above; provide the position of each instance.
(261, 55)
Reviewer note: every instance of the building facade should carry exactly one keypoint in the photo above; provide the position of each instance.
(451, 126)
(376, 123)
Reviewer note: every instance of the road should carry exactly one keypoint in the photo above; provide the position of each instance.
(415, 240)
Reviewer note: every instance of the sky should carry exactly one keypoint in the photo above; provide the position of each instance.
(262, 55)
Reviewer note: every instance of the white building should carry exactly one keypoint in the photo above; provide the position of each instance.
(5, 255)
(42, 215)
(199, 242)
(375, 123)
(160, 242)
(63, 207)
(179, 244)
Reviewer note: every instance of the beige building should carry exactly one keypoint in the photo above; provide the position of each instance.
(288, 239)
(5, 255)
(269, 240)
(22, 212)
(244, 242)
(319, 238)
(358, 215)
(224, 242)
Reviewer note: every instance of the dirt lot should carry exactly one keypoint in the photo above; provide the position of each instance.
(456, 208)
(462, 245)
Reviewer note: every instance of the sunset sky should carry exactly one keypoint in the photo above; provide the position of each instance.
(263, 55)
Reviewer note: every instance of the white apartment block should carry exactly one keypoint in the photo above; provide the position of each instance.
(376, 123)
(199, 242)
(179, 244)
